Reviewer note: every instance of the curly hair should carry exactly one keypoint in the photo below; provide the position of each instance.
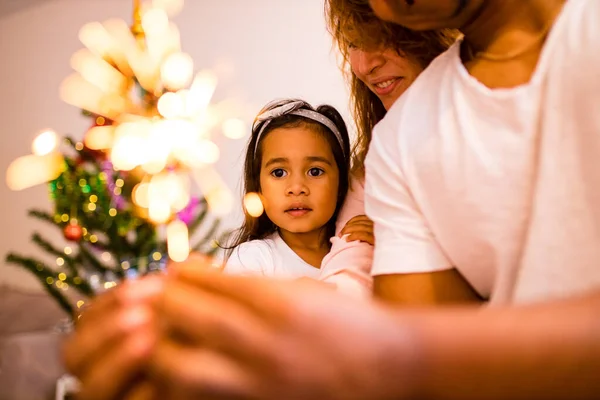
(353, 23)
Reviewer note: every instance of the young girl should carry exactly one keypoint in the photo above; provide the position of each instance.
(297, 161)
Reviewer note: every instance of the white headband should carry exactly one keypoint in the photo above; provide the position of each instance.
(293, 108)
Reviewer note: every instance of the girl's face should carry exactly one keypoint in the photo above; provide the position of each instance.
(385, 72)
(299, 179)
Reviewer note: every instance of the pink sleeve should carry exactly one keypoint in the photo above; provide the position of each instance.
(348, 264)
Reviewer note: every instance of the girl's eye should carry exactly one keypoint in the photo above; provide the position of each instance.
(315, 172)
(278, 173)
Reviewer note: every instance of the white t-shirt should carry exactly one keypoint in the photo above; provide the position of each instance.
(270, 257)
(503, 184)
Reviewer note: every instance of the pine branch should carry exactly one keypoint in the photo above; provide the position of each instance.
(42, 272)
(87, 258)
(71, 263)
(219, 242)
(42, 215)
(49, 248)
(198, 220)
(208, 236)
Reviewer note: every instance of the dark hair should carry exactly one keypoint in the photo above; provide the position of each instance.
(353, 22)
(259, 228)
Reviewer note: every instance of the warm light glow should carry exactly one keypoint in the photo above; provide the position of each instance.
(171, 105)
(95, 37)
(99, 137)
(124, 155)
(98, 72)
(143, 66)
(170, 188)
(234, 128)
(200, 153)
(106, 257)
(253, 204)
(44, 143)
(130, 145)
(159, 211)
(140, 195)
(172, 7)
(182, 135)
(31, 170)
(108, 285)
(80, 93)
(200, 92)
(178, 242)
(220, 201)
(176, 71)
(155, 22)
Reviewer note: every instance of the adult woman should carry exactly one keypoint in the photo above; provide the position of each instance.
(380, 61)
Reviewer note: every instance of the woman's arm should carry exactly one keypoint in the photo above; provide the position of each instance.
(428, 288)
(545, 351)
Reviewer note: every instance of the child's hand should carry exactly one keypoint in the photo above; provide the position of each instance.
(359, 228)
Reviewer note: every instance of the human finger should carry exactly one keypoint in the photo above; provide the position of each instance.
(115, 370)
(196, 372)
(215, 321)
(366, 237)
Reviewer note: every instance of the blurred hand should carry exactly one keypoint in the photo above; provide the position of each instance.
(113, 341)
(359, 228)
(253, 338)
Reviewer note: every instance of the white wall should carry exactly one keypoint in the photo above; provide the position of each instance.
(278, 48)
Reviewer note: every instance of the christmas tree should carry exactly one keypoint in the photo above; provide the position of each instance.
(123, 197)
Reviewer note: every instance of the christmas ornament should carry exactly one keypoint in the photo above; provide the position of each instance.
(73, 232)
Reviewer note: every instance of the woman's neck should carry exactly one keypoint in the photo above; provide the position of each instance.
(310, 246)
(502, 26)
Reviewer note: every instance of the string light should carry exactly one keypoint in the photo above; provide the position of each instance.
(253, 204)
(44, 143)
(163, 138)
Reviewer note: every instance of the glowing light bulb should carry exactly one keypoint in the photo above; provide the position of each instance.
(172, 7)
(140, 195)
(176, 71)
(170, 105)
(178, 241)
(159, 211)
(201, 91)
(234, 128)
(98, 72)
(99, 137)
(155, 22)
(44, 143)
(75, 90)
(253, 204)
(31, 170)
